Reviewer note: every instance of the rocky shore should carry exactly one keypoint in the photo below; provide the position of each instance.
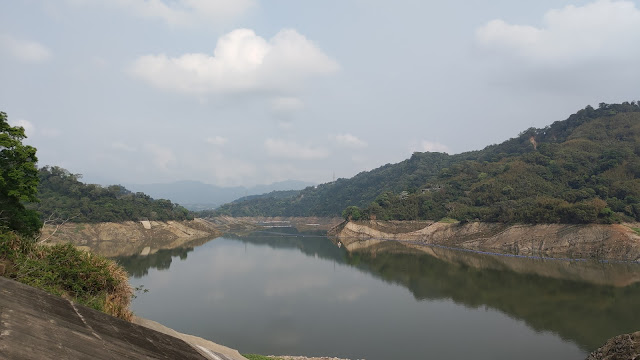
(597, 241)
(621, 347)
(130, 237)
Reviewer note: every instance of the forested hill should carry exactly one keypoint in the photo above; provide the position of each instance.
(580, 170)
(63, 196)
(331, 198)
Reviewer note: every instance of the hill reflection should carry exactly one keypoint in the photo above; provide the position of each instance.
(583, 302)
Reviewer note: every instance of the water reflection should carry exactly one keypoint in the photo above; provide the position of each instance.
(308, 243)
(582, 302)
(139, 265)
(576, 306)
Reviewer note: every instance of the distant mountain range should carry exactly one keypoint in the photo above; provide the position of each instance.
(196, 195)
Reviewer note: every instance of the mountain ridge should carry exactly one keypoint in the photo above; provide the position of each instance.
(197, 195)
(579, 170)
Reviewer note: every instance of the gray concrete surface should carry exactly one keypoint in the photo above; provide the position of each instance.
(36, 325)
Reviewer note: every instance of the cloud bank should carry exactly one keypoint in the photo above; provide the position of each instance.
(241, 62)
(24, 50)
(430, 146)
(604, 30)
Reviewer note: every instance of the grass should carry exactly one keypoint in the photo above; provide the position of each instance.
(63, 270)
(259, 357)
(637, 230)
(447, 220)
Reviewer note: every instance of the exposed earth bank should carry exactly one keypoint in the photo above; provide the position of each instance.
(130, 237)
(612, 242)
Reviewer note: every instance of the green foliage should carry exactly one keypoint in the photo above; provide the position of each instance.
(63, 270)
(581, 170)
(18, 180)
(352, 213)
(260, 357)
(63, 196)
(330, 199)
(590, 177)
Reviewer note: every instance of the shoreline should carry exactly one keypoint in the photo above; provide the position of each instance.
(616, 242)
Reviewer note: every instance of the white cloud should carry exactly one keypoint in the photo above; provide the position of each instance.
(431, 146)
(603, 30)
(348, 140)
(179, 12)
(162, 157)
(292, 150)
(123, 147)
(241, 62)
(29, 128)
(217, 140)
(24, 50)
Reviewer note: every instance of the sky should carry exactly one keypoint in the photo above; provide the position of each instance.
(245, 92)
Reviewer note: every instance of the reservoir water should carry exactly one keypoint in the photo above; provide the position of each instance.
(286, 293)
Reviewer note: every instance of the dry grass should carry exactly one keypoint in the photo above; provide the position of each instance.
(63, 270)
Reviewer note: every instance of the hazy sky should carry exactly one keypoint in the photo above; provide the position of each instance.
(243, 92)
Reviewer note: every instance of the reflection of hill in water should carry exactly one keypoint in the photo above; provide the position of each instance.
(138, 265)
(309, 243)
(584, 302)
(579, 311)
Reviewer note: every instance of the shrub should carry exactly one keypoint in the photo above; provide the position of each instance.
(63, 270)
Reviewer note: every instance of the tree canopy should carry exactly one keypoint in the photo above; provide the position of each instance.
(62, 195)
(18, 180)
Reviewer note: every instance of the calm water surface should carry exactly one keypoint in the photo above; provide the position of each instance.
(273, 293)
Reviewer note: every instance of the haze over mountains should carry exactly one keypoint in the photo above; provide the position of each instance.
(196, 195)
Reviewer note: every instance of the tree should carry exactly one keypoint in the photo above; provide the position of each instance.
(352, 213)
(18, 180)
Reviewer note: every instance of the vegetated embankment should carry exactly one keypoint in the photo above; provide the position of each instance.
(598, 241)
(130, 237)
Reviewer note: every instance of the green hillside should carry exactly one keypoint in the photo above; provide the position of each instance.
(331, 198)
(581, 170)
(63, 196)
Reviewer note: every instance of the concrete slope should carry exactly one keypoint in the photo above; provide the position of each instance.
(37, 325)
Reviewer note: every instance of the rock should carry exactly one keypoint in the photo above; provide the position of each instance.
(621, 347)
(129, 237)
(588, 241)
